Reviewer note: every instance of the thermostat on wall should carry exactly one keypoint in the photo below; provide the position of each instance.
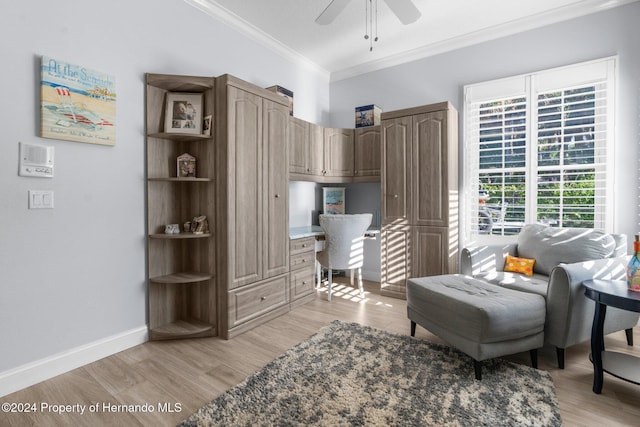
(36, 160)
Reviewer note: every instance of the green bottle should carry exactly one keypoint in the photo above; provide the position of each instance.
(633, 268)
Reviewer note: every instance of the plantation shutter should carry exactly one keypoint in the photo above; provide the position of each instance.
(539, 148)
(498, 161)
(572, 156)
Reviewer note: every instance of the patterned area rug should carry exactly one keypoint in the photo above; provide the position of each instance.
(349, 374)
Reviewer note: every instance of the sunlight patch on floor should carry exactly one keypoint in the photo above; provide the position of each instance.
(351, 293)
(383, 304)
(339, 290)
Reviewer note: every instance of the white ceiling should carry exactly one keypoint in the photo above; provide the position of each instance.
(341, 51)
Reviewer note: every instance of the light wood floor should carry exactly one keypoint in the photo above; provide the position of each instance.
(183, 375)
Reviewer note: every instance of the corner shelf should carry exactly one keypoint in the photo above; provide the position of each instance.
(181, 279)
(187, 235)
(179, 137)
(181, 329)
(176, 179)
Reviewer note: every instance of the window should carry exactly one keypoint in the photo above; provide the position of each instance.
(539, 149)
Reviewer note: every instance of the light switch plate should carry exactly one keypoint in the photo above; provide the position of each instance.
(40, 199)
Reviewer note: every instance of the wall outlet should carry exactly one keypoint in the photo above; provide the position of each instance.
(40, 199)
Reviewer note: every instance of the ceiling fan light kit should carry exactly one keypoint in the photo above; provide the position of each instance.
(371, 18)
(405, 10)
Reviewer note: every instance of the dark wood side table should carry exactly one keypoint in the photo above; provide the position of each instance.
(612, 293)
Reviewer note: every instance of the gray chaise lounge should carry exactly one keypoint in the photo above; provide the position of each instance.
(565, 257)
(482, 320)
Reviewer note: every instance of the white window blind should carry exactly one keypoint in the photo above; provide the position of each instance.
(538, 148)
(572, 156)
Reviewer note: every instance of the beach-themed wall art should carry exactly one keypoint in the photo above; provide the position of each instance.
(333, 200)
(77, 104)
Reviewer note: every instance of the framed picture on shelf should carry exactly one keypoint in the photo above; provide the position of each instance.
(206, 125)
(186, 166)
(333, 200)
(183, 113)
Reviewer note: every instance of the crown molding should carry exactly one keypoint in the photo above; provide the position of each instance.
(234, 21)
(481, 36)
(510, 28)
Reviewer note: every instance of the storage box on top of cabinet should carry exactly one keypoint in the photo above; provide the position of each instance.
(368, 115)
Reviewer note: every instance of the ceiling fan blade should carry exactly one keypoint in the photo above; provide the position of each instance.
(405, 10)
(331, 12)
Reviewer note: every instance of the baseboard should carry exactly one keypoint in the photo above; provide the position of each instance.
(371, 275)
(49, 367)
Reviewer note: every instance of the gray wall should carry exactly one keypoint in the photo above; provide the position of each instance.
(442, 77)
(74, 277)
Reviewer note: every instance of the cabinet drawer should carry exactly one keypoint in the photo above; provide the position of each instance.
(302, 260)
(305, 244)
(302, 283)
(252, 301)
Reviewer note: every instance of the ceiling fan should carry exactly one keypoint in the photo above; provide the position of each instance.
(405, 10)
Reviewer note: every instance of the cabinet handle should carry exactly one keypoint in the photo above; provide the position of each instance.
(395, 196)
(263, 298)
(277, 196)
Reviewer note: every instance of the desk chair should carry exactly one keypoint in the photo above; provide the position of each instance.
(344, 244)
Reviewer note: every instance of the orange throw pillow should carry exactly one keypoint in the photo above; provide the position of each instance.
(519, 265)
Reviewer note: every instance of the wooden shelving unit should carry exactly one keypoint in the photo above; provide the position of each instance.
(181, 179)
(181, 267)
(184, 277)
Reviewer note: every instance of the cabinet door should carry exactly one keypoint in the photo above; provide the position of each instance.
(245, 186)
(429, 251)
(276, 190)
(395, 260)
(396, 155)
(315, 162)
(298, 145)
(367, 154)
(429, 194)
(339, 152)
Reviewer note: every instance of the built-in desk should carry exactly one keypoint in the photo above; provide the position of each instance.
(317, 232)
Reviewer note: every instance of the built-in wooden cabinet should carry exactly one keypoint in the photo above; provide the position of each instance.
(339, 152)
(333, 155)
(395, 259)
(367, 153)
(252, 204)
(419, 195)
(316, 150)
(299, 146)
(306, 149)
(181, 267)
(302, 263)
(244, 270)
(396, 163)
(434, 169)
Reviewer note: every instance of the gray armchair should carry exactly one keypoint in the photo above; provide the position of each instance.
(565, 257)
